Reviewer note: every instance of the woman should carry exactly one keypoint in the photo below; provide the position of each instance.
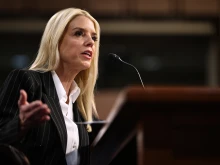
(40, 106)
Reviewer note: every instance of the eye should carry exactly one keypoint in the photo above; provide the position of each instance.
(94, 38)
(79, 33)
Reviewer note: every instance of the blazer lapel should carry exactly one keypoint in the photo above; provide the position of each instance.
(51, 99)
(83, 134)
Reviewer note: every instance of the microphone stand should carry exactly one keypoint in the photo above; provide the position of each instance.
(117, 57)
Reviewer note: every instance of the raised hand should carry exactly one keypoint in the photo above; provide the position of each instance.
(32, 113)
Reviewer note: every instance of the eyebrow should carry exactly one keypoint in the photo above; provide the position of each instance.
(93, 33)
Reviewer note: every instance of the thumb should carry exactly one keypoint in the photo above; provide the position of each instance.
(23, 98)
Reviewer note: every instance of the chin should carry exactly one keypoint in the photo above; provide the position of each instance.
(86, 65)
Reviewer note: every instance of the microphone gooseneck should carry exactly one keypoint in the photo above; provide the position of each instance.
(117, 57)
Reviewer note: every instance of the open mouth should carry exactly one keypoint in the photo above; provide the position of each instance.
(87, 53)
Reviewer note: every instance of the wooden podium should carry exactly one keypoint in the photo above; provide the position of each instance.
(161, 126)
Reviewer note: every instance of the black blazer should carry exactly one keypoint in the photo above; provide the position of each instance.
(44, 144)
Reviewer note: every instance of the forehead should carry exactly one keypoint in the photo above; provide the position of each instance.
(82, 22)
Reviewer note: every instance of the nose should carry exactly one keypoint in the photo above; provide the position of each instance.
(89, 41)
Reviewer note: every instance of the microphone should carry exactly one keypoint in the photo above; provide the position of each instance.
(117, 57)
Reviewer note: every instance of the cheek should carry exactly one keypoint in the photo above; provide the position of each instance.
(68, 48)
(74, 46)
(94, 50)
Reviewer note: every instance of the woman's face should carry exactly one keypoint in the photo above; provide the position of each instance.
(77, 46)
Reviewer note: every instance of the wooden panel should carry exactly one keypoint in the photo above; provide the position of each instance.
(28, 5)
(165, 157)
(55, 5)
(107, 7)
(199, 7)
(157, 7)
(176, 126)
(158, 157)
(8, 5)
(37, 5)
(104, 101)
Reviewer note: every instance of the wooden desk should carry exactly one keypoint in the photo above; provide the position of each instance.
(161, 126)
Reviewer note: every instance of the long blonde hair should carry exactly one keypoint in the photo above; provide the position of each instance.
(48, 58)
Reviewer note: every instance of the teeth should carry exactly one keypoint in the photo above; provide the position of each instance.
(87, 53)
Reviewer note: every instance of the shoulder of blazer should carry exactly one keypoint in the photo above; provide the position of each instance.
(27, 76)
(35, 82)
(18, 79)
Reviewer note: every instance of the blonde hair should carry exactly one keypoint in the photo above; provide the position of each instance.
(48, 58)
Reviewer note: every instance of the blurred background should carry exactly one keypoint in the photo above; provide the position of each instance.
(170, 42)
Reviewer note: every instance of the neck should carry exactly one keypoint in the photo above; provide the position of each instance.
(66, 77)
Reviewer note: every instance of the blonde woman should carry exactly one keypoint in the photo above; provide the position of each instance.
(39, 107)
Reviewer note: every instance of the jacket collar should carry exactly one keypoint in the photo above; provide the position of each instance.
(51, 99)
(49, 86)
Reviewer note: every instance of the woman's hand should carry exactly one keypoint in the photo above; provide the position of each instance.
(33, 113)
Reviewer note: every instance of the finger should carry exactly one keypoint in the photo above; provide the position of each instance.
(41, 112)
(37, 112)
(30, 107)
(23, 98)
(25, 109)
(43, 119)
(35, 122)
(39, 117)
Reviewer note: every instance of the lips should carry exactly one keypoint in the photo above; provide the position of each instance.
(87, 53)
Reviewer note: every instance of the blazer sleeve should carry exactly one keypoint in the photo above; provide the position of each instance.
(9, 112)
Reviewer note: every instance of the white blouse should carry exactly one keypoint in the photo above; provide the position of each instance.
(72, 129)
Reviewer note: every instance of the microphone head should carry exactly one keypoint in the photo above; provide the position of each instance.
(114, 55)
